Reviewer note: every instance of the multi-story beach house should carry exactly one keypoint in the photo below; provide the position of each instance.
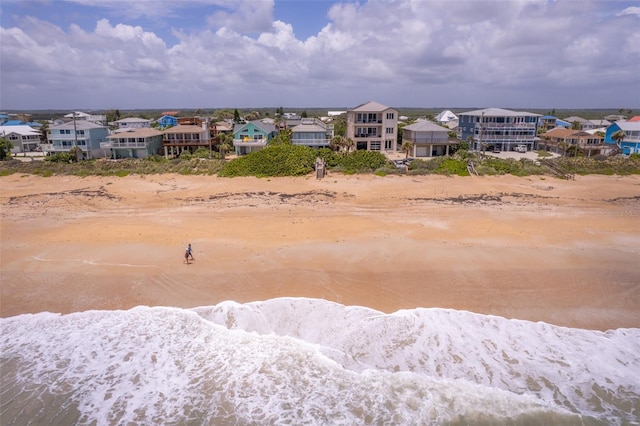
(134, 143)
(312, 132)
(24, 138)
(631, 142)
(499, 129)
(252, 136)
(84, 134)
(186, 137)
(428, 139)
(373, 127)
(561, 140)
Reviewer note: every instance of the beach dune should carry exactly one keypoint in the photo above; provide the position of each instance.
(539, 249)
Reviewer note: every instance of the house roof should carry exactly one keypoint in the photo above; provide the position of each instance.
(628, 125)
(79, 125)
(265, 127)
(22, 129)
(574, 118)
(184, 128)
(371, 106)
(600, 122)
(445, 116)
(304, 127)
(133, 120)
(425, 126)
(499, 112)
(633, 119)
(14, 123)
(561, 132)
(137, 133)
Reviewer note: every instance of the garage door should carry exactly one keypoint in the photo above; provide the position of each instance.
(421, 151)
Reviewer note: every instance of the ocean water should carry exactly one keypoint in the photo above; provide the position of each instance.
(297, 361)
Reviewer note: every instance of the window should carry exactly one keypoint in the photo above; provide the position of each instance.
(375, 146)
(390, 130)
(80, 132)
(388, 144)
(390, 116)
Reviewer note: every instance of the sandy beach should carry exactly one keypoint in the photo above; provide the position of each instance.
(539, 249)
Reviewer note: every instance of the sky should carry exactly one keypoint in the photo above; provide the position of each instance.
(156, 54)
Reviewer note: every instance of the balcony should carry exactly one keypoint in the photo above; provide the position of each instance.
(311, 142)
(505, 125)
(250, 142)
(368, 121)
(119, 144)
(367, 135)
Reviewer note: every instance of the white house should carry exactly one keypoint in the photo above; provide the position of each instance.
(132, 123)
(373, 127)
(23, 137)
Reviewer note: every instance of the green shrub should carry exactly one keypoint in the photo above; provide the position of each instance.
(201, 153)
(59, 157)
(452, 166)
(274, 160)
(362, 161)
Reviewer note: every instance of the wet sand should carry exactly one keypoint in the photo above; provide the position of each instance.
(539, 249)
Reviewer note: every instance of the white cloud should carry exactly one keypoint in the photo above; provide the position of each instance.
(402, 53)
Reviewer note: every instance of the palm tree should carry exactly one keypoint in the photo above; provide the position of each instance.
(349, 145)
(407, 147)
(226, 142)
(563, 145)
(336, 143)
(618, 136)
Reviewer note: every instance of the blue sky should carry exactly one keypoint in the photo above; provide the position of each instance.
(101, 54)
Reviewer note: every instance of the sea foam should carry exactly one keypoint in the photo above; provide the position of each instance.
(308, 361)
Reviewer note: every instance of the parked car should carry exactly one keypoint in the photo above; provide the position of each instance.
(520, 148)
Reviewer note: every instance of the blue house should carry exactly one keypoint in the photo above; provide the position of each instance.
(631, 142)
(86, 135)
(167, 121)
(252, 136)
(499, 129)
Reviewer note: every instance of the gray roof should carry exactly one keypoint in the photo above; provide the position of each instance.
(133, 120)
(266, 127)
(499, 112)
(628, 125)
(137, 133)
(371, 107)
(79, 125)
(425, 126)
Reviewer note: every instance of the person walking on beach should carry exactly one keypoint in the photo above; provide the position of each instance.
(188, 253)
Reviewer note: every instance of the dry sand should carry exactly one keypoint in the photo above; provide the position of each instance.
(540, 249)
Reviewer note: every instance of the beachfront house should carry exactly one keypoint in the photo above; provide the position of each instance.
(428, 139)
(134, 143)
(24, 138)
(497, 129)
(84, 134)
(132, 123)
(312, 132)
(83, 116)
(373, 127)
(561, 141)
(167, 121)
(631, 142)
(595, 124)
(252, 136)
(186, 137)
(548, 122)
